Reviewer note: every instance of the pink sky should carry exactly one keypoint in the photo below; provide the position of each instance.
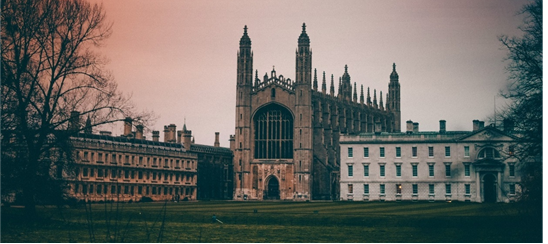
(178, 58)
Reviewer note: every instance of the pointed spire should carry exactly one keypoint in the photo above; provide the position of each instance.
(346, 84)
(380, 103)
(388, 101)
(184, 126)
(368, 97)
(303, 38)
(273, 72)
(340, 88)
(324, 88)
(256, 78)
(315, 81)
(87, 128)
(332, 87)
(245, 41)
(361, 96)
(375, 98)
(355, 98)
(394, 75)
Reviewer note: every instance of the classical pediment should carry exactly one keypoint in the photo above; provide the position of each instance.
(488, 134)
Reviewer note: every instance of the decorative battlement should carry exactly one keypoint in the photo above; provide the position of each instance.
(287, 84)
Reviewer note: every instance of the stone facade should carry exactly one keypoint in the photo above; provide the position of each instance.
(476, 166)
(122, 169)
(129, 167)
(286, 143)
(215, 170)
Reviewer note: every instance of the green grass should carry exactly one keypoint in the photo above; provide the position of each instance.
(275, 222)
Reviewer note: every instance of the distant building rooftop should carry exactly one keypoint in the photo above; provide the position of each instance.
(126, 140)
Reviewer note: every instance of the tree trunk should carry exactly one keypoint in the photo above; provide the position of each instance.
(30, 203)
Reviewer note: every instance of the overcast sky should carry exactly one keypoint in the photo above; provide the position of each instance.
(178, 58)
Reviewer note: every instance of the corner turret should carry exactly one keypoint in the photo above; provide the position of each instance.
(393, 100)
(245, 60)
(304, 59)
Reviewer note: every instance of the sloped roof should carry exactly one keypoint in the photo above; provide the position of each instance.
(122, 139)
(199, 148)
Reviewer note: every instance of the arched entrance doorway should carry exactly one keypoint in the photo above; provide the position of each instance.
(273, 189)
(489, 188)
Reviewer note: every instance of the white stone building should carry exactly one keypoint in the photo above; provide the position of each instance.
(476, 166)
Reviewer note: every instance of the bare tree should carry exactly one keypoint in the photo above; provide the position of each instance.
(50, 68)
(525, 91)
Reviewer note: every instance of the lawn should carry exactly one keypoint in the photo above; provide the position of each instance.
(274, 222)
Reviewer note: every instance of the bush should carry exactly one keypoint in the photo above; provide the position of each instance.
(146, 199)
(72, 202)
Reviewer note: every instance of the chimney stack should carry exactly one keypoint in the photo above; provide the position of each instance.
(216, 144)
(179, 136)
(409, 124)
(171, 131)
(415, 127)
(481, 124)
(139, 132)
(187, 137)
(155, 135)
(475, 125)
(127, 126)
(232, 141)
(166, 133)
(442, 126)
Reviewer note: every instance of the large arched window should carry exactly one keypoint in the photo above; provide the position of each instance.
(273, 132)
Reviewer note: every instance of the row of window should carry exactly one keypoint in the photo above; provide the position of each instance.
(415, 189)
(414, 152)
(131, 174)
(485, 153)
(130, 190)
(415, 171)
(105, 158)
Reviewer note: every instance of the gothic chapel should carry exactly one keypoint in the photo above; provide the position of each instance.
(286, 143)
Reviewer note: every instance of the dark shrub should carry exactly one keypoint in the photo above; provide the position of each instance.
(146, 199)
